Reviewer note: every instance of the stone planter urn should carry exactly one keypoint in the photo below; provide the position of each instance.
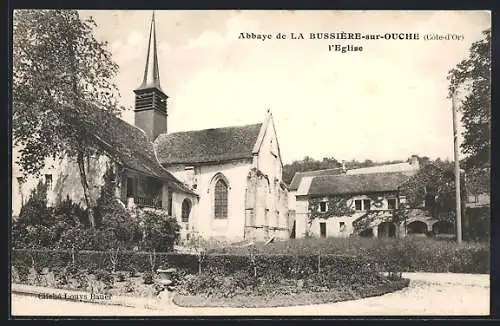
(166, 278)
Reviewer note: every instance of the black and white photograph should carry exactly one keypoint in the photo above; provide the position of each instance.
(250, 163)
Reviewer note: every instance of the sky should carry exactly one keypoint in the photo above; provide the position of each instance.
(386, 102)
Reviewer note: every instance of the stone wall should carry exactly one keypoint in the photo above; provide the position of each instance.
(266, 208)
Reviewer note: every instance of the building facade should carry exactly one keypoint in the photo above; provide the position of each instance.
(359, 202)
(221, 183)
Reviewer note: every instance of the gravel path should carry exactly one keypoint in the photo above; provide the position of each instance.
(428, 294)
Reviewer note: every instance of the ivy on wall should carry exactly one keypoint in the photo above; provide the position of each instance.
(396, 216)
(336, 206)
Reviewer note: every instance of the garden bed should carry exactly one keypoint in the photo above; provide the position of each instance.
(295, 299)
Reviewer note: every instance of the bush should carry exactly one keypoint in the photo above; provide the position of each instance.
(132, 272)
(404, 255)
(129, 287)
(161, 231)
(121, 277)
(148, 278)
(105, 276)
(122, 228)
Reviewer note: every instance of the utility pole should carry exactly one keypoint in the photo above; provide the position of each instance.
(458, 199)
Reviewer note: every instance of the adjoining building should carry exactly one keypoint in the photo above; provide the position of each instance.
(364, 202)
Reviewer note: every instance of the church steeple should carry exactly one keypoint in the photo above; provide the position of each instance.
(150, 100)
(151, 71)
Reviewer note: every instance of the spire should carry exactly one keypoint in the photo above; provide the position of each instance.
(151, 71)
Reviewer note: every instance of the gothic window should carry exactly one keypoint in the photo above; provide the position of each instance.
(186, 210)
(220, 193)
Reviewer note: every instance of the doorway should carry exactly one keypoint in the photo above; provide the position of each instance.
(322, 229)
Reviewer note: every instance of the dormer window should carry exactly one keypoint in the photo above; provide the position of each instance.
(362, 204)
(391, 203)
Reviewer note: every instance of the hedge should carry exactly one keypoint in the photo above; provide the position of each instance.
(405, 255)
(287, 266)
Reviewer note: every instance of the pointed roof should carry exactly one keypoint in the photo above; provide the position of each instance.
(208, 145)
(151, 77)
(126, 144)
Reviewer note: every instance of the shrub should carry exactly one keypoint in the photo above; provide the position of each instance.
(71, 213)
(121, 277)
(405, 255)
(106, 277)
(132, 272)
(161, 231)
(148, 278)
(129, 287)
(35, 211)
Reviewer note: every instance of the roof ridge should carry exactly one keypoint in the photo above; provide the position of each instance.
(360, 174)
(338, 168)
(206, 129)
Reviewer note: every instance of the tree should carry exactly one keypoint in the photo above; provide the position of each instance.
(60, 73)
(433, 184)
(308, 164)
(114, 217)
(471, 78)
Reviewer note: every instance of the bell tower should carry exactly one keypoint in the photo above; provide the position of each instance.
(150, 101)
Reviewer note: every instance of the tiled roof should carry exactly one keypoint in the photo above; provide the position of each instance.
(208, 145)
(356, 184)
(126, 143)
(294, 184)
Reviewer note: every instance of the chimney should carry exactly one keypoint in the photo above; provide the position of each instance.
(190, 179)
(344, 169)
(414, 160)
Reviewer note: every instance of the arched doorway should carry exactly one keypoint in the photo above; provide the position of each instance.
(443, 227)
(366, 233)
(386, 230)
(186, 210)
(416, 227)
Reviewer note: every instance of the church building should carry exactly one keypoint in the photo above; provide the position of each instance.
(223, 183)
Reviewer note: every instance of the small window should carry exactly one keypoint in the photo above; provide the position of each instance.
(472, 198)
(342, 226)
(322, 206)
(322, 229)
(130, 187)
(366, 204)
(48, 181)
(357, 204)
(186, 210)
(391, 203)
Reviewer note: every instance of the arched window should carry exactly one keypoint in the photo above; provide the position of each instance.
(220, 199)
(186, 210)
